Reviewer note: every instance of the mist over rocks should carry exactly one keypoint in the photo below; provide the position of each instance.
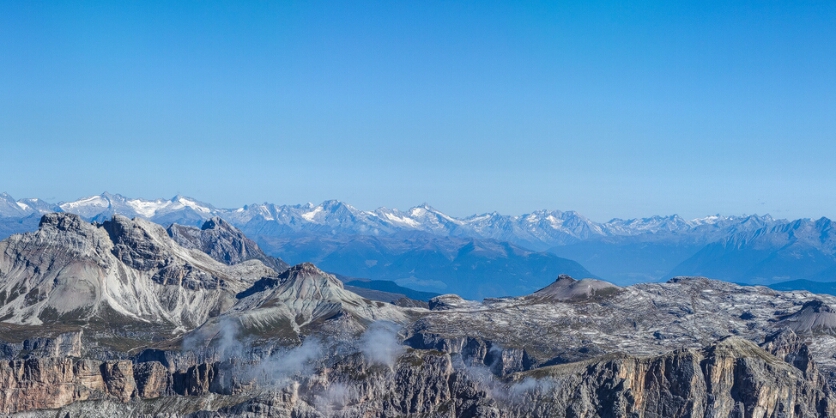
(730, 378)
(381, 344)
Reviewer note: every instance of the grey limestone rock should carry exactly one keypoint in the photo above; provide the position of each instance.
(223, 242)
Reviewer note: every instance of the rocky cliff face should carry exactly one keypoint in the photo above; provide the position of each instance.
(731, 378)
(47, 383)
(728, 379)
(69, 344)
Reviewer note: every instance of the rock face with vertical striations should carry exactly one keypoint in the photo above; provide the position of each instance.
(120, 274)
(48, 383)
(730, 378)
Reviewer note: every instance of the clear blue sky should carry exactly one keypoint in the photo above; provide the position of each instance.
(619, 109)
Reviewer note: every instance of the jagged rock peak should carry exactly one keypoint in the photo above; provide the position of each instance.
(63, 221)
(223, 242)
(217, 222)
(70, 230)
(781, 341)
(121, 227)
(137, 242)
(565, 277)
(787, 346)
(566, 288)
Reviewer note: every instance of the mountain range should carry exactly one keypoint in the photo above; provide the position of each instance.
(538, 230)
(379, 244)
(121, 317)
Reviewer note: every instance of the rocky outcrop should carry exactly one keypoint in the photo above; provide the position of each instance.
(476, 352)
(68, 344)
(134, 243)
(152, 380)
(450, 301)
(729, 379)
(787, 346)
(223, 242)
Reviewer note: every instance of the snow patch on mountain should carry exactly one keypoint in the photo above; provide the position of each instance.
(309, 216)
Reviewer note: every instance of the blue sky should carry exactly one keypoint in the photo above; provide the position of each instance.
(614, 109)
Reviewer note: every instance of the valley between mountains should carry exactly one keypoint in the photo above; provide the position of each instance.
(121, 316)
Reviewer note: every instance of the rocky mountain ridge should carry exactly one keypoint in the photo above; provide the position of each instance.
(801, 249)
(74, 272)
(297, 343)
(127, 282)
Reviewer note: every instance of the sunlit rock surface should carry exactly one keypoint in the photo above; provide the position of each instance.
(118, 319)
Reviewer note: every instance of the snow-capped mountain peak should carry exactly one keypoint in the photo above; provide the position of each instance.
(11, 208)
(539, 229)
(107, 204)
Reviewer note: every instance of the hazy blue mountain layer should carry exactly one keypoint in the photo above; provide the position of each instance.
(802, 249)
(828, 288)
(746, 249)
(471, 268)
(388, 287)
